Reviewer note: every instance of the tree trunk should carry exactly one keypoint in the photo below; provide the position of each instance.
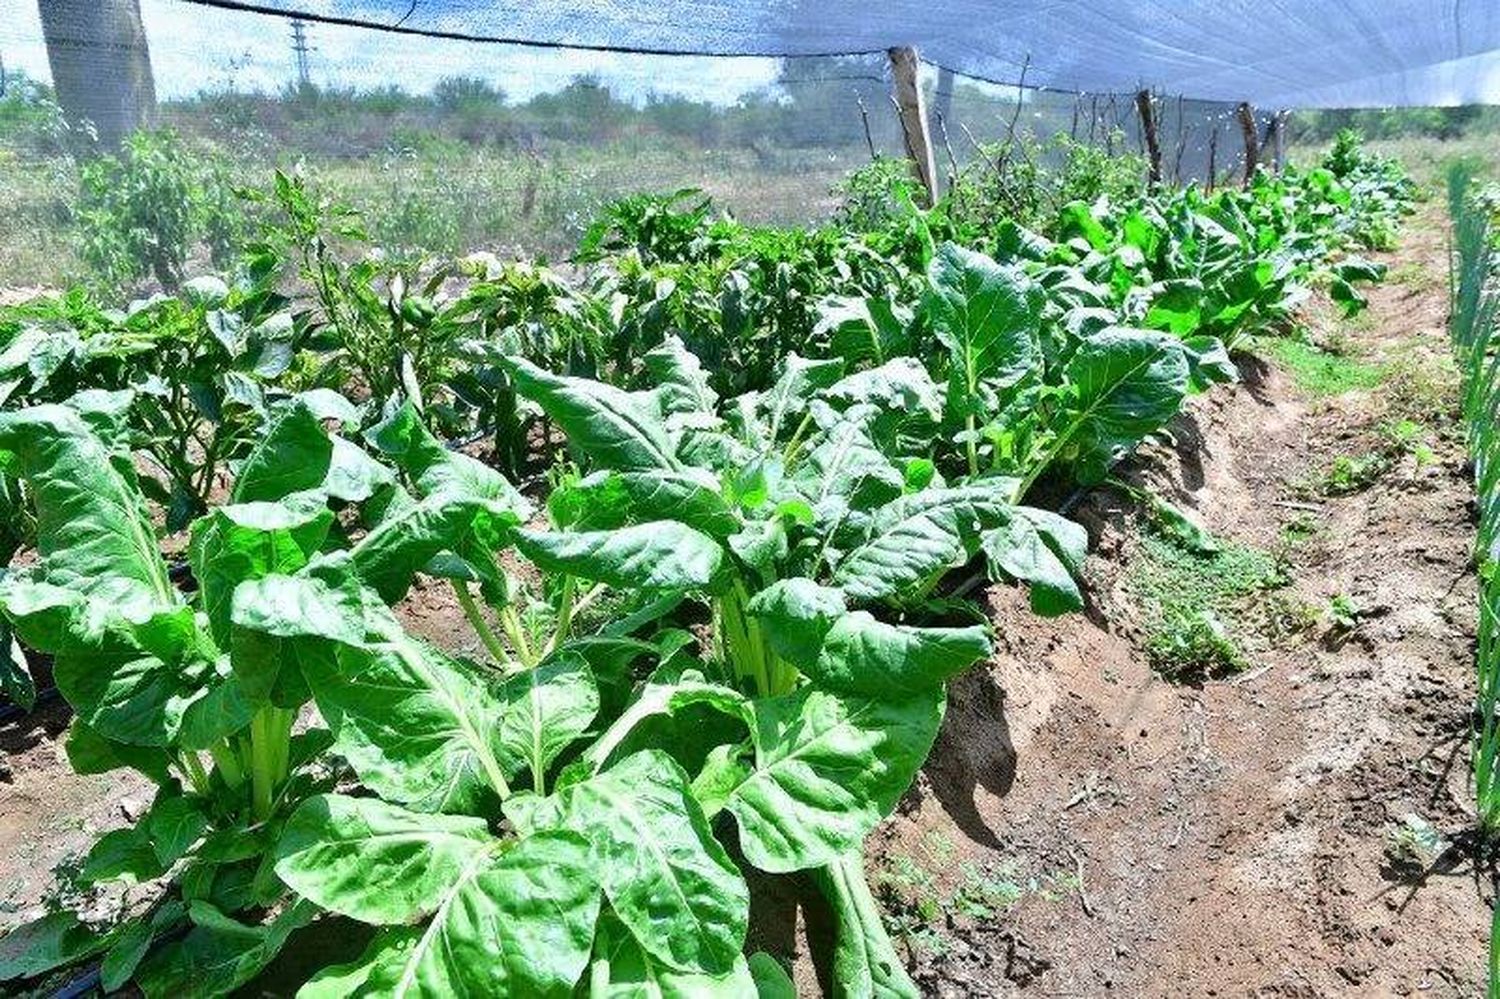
(101, 68)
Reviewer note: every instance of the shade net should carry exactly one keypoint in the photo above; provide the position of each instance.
(1284, 53)
(448, 144)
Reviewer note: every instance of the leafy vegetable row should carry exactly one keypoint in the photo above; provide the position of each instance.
(719, 642)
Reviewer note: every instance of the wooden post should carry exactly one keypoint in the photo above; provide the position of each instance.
(913, 113)
(1145, 105)
(1252, 141)
(1278, 138)
(1213, 155)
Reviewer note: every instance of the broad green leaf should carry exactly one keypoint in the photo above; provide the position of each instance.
(173, 824)
(621, 969)
(664, 873)
(219, 954)
(292, 456)
(128, 948)
(900, 387)
(93, 531)
(521, 924)
(771, 979)
(797, 381)
(51, 941)
(91, 753)
(862, 656)
(795, 616)
(846, 469)
(547, 708)
(607, 500)
(828, 768)
(418, 727)
(618, 429)
(916, 537)
(1126, 384)
(681, 381)
(1044, 551)
(405, 542)
(375, 862)
(987, 315)
(16, 682)
(665, 699)
(436, 471)
(1208, 363)
(664, 555)
(249, 541)
(865, 962)
(121, 855)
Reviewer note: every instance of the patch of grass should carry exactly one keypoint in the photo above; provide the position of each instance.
(1320, 373)
(985, 894)
(1196, 604)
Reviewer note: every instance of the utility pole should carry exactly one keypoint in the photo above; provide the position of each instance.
(300, 50)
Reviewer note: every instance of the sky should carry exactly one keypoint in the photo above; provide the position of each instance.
(195, 48)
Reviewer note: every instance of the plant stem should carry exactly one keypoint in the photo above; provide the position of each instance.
(516, 632)
(270, 733)
(192, 767)
(973, 445)
(564, 617)
(481, 627)
(788, 457)
(228, 763)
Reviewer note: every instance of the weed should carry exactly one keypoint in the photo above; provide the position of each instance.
(1195, 604)
(1351, 474)
(1322, 373)
(1299, 530)
(985, 894)
(1344, 612)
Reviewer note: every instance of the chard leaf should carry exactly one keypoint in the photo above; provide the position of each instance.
(547, 708)
(796, 614)
(987, 315)
(828, 768)
(1126, 383)
(406, 541)
(621, 969)
(121, 855)
(375, 862)
(521, 924)
(91, 753)
(93, 531)
(665, 699)
(1043, 550)
(797, 381)
(664, 555)
(862, 656)
(249, 541)
(618, 429)
(418, 727)
(292, 456)
(606, 500)
(681, 382)
(16, 682)
(666, 877)
(219, 954)
(845, 469)
(916, 537)
(52, 941)
(865, 962)
(900, 388)
(435, 470)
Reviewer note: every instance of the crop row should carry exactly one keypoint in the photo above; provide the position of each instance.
(716, 626)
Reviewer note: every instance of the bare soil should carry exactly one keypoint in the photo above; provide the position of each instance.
(1086, 828)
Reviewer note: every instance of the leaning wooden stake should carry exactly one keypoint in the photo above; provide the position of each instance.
(1145, 106)
(1252, 141)
(913, 112)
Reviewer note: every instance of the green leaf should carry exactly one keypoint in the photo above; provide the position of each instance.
(15, 673)
(987, 315)
(93, 531)
(251, 541)
(622, 969)
(664, 555)
(681, 382)
(796, 614)
(52, 941)
(406, 541)
(1043, 550)
(771, 979)
(862, 656)
(173, 824)
(128, 948)
(436, 471)
(418, 727)
(1126, 384)
(375, 862)
(91, 753)
(663, 872)
(828, 768)
(121, 855)
(796, 382)
(292, 456)
(547, 708)
(865, 963)
(219, 954)
(916, 537)
(1208, 363)
(608, 499)
(666, 699)
(618, 429)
